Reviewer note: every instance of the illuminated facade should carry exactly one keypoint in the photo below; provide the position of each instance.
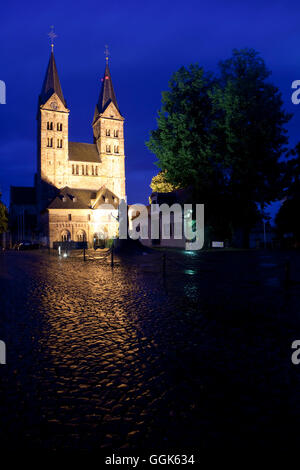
(76, 181)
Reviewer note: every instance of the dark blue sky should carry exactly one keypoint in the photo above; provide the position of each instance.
(148, 41)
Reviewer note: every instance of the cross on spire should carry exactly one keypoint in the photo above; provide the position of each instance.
(52, 36)
(106, 52)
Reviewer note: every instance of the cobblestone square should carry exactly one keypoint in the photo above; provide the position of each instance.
(125, 358)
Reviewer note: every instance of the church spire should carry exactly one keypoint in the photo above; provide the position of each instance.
(51, 83)
(107, 94)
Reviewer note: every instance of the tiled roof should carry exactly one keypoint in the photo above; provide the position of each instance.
(70, 198)
(107, 94)
(179, 196)
(51, 83)
(81, 152)
(105, 196)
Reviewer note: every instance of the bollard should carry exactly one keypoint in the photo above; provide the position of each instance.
(112, 257)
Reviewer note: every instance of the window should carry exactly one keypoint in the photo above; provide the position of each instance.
(65, 236)
(59, 143)
(108, 132)
(96, 171)
(50, 126)
(59, 126)
(69, 217)
(116, 133)
(73, 169)
(87, 170)
(82, 169)
(116, 149)
(49, 142)
(93, 171)
(77, 169)
(81, 236)
(108, 149)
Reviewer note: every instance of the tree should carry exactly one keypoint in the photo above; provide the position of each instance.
(249, 131)
(181, 141)
(160, 184)
(224, 136)
(3, 218)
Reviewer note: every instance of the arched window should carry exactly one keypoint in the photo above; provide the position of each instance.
(59, 143)
(96, 171)
(108, 132)
(49, 142)
(73, 169)
(65, 236)
(77, 169)
(49, 126)
(108, 149)
(59, 126)
(116, 133)
(81, 236)
(116, 149)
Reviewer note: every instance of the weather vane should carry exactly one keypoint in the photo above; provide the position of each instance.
(106, 52)
(52, 36)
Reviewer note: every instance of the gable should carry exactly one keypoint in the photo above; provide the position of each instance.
(111, 112)
(54, 103)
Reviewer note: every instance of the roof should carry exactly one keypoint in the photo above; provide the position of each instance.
(105, 196)
(107, 94)
(22, 195)
(70, 198)
(51, 83)
(81, 152)
(179, 196)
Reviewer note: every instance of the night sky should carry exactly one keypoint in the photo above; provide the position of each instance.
(148, 41)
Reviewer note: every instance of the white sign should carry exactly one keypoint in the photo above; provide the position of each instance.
(217, 244)
(2, 92)
(2, 352)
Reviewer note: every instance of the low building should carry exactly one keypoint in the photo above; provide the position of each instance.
(166, 228)
(23, 214)
(81, 215)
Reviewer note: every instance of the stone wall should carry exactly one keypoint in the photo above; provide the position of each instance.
(76, 221)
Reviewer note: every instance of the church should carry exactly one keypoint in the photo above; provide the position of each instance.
(78, 186)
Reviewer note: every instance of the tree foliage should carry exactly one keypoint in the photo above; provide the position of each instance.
(160, 184)
(3, 218)
(224, 135)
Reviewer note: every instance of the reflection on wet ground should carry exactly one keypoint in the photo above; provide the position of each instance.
(103, 358)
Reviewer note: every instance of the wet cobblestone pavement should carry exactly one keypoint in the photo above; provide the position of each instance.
(124, 359)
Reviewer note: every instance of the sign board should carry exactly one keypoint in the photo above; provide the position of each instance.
(217, 244)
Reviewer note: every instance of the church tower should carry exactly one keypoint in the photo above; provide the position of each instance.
(108, 130)
(52, 133)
